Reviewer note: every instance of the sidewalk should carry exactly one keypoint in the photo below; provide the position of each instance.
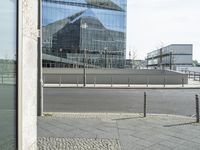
(101, 131)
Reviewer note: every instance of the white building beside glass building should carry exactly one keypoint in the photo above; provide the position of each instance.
(175, 56)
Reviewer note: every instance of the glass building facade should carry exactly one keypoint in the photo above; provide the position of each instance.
(8, 98)
(78, 30)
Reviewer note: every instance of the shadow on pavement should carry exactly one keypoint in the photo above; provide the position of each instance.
(180, 124)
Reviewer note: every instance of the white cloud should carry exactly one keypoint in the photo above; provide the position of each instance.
(152, 22)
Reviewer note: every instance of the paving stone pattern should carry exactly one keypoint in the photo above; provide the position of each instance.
(50, 143)
(128, 132)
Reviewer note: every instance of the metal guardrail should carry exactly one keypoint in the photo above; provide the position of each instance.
(9, 144)
(128, 80)
(8, 79)
(193, 75)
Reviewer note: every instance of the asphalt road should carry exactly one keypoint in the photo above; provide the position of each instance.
(178, 102)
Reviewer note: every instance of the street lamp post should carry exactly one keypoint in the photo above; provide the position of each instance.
(84, 69)
(60, 50)
(105, 52)
(101, 59)
(111, 62)
(84, 26)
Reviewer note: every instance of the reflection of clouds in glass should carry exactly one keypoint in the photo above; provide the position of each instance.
(7, 54)
(8, 29)
(113, 20)
(14, 1)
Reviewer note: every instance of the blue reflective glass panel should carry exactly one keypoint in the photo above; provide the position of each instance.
(76, 25)
(7, 75)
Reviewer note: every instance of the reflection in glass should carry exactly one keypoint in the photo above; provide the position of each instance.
(73, 27)
(8, 75)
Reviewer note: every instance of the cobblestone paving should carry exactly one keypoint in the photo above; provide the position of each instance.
(50, 143)
(156, 132)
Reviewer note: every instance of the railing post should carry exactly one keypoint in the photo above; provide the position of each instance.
(111, 81)
(182, 81)
(94, 81)
(145, 104)
(197, 109)
(77, 81)
(164, 81)
(60, 81)
(128, 81)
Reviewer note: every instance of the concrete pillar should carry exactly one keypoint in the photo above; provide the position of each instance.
(27, 74)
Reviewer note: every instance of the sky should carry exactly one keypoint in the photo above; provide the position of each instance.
(152, 24)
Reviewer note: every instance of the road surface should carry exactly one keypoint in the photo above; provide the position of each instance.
(164, 101)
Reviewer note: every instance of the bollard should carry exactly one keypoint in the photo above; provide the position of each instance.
(145, 103)
(128, 81)
(197, 109)
(164, 81)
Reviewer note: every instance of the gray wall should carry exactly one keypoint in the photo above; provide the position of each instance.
(115, 76)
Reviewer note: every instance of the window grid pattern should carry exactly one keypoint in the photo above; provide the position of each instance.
(95, 27)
